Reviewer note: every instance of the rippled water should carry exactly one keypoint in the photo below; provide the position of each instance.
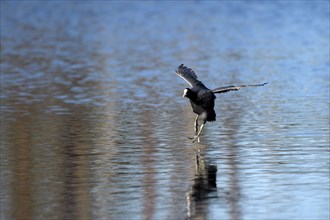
(93, 125)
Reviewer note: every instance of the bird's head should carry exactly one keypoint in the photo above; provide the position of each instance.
(188, 93)
(185, 91)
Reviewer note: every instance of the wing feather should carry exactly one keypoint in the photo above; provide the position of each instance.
(234, 88)
(187, 74)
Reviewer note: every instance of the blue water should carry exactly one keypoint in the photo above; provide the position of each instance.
(93, 125)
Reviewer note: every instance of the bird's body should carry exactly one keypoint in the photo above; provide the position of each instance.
(202, 98)
(202, 104)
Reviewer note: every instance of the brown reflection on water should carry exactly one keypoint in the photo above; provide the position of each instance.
(232, 122)
(22, 168)
(76, 177)
(148, 163)
(50, 165)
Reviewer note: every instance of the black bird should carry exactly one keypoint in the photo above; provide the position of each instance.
(202, 98)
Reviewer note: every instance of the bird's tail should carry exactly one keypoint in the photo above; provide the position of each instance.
(211, 116)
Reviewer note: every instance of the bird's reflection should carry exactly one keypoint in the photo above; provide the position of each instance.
(204, 187)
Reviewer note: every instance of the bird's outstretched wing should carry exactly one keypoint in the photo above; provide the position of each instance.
(187, 74)
(234, 88)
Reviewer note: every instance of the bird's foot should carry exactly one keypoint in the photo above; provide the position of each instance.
(195, 138)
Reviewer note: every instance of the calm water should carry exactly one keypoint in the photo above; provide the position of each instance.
(93, 125)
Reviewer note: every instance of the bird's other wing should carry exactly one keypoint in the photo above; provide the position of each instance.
(234, 88)
(187, 74)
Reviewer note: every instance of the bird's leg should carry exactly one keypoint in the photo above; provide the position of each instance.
(199, 132)
(196, 124)
(196, 127)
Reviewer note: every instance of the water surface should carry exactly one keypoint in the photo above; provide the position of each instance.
(93, 125)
